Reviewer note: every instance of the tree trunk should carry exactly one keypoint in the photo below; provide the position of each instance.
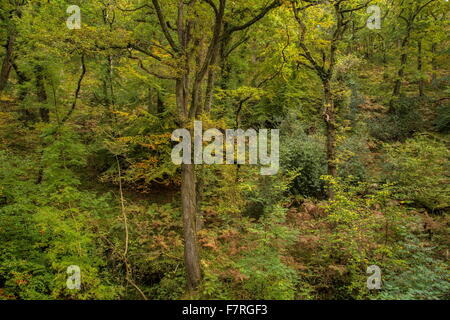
(385, 63)
(189, 199)
(210, 82)
(155, 102)
(159, 103)
(151, 107)
(209, 91)
(27, 115)
(41, 94)
(419, 69)
(330, 123)
(403, 60)
(401, 73)
(7, 62)
(433, 62)
(199, 193)
(110, 80)
(225, 66)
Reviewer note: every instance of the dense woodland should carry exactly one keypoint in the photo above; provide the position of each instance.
(86, 176)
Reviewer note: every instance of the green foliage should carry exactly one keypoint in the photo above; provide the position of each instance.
(251, 265)
(49, 225)
(156, 249)
(420, 170)
(400, 123)
(306, 155)
(420, 276)
(442, 120)
(268, 277)
(353, 155)
(93, 184)
(336, 248)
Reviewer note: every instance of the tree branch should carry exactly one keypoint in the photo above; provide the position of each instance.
(163, 25)
(77, 91)
(261, 15)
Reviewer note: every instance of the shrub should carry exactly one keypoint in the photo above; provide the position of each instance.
(442, 121)
(305, 154)
(420, 277)
(50, 225)
(420, 170)
(401, 122)
(352, 157)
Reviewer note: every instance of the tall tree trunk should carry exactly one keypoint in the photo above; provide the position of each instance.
(403, 60)
(420, 68)
(189, 197)
(330, 123)
(159, 103)
(400, 75)
(209, 90)
(110, 80)
(434, 62)
(41, 94)
(189, 202)
(7, 62)
(27, 115)
(225, 66)
(155, 102)
(211, 78)
(385, 64)
(199, 105)
(151, 107)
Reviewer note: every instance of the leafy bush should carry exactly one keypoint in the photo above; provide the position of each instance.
(353, 152)
(442, 120)
(305, 154)
(267, 277)
(401, 122)
(420, 170)
(361, 227)
(48, 224)
(246, 260)
(420, 277)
